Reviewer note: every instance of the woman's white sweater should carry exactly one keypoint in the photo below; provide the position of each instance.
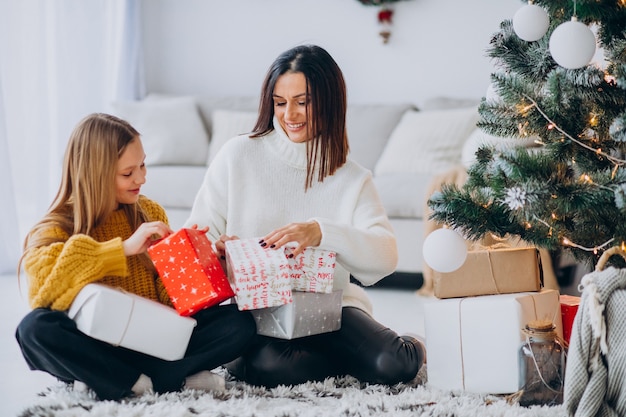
(254, 186)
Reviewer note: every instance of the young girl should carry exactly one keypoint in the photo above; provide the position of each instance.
(291, 181)
(97, 230)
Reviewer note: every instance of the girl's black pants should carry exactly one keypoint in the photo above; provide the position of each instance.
(50, 342)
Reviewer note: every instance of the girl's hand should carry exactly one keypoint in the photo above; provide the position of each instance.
(305, 234)
(144, 236)
(220, 245)
(204, 230)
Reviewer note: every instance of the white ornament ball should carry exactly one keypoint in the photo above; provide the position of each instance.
(531, 22)
(444, 250)
(572, 44)
(491, 95)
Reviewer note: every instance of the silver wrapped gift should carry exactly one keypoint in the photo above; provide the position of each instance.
(308, 314)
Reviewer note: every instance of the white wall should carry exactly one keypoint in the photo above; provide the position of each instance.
(224, 47)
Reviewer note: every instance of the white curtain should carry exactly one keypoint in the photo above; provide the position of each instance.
(59, 61)
(9, 236)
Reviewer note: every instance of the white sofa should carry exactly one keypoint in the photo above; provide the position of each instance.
(404, 148)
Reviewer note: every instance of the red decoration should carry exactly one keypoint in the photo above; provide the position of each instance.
(569, 308)
(384, 15)
(190, 271)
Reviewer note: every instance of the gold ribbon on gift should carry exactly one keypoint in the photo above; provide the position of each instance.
(494, 281)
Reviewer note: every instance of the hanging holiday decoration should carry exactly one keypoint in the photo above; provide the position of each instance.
(384, 20)
(444, 250)
(572, 44)
(385, 16)
(531, 22)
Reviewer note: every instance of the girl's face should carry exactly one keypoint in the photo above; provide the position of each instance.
(290, 105)
(131, 173)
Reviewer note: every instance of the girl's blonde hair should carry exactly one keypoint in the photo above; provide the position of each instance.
(87, 193)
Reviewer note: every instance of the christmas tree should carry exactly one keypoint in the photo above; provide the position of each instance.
(568, 192)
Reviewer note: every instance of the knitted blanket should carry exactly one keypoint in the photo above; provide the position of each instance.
(595, 375)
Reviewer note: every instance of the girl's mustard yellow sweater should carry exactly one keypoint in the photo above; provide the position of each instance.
(59, 271)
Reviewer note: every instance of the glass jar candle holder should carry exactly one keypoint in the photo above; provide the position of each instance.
(542, 365)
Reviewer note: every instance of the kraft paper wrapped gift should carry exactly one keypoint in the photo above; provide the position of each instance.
(312, 271)
(497, 271)
(190, 271)
(308, 314)
(128, 320)
(259, 276)
(473, 342)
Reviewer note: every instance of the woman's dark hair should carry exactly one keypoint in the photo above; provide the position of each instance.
(328, 148)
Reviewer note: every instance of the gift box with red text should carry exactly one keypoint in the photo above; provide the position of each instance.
(190, 271)
(473, 342)
(128, 320)
(312, 270)
(259, 276)
(308, 314)
(569, 308)
(496, 271)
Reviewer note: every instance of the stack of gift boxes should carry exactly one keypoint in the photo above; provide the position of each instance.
(291, 296)
(474, 324)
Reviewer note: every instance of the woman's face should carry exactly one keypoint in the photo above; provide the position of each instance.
(290, 105)
(131, 173)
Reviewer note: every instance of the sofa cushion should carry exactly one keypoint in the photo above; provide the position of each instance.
(480, 138)
(428, 142)
(227, 124)
(209, 104)
(171, 129)
(445, 102)
(403, 195)
(369, 127)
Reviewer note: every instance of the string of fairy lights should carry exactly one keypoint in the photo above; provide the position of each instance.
(572, 45)
(617, 162)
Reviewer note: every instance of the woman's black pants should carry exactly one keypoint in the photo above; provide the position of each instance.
(362, 348)
(50, 342)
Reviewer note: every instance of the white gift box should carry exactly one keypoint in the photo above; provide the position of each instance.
(308, 314)
(473, 342)
(131, 321)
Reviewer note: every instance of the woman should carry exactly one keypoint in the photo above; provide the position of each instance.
(290, 181)
(98, 229)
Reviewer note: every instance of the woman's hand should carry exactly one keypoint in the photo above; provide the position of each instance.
(305, 234)
(144, 236)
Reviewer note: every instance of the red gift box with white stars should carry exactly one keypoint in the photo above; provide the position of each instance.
(191, 271)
